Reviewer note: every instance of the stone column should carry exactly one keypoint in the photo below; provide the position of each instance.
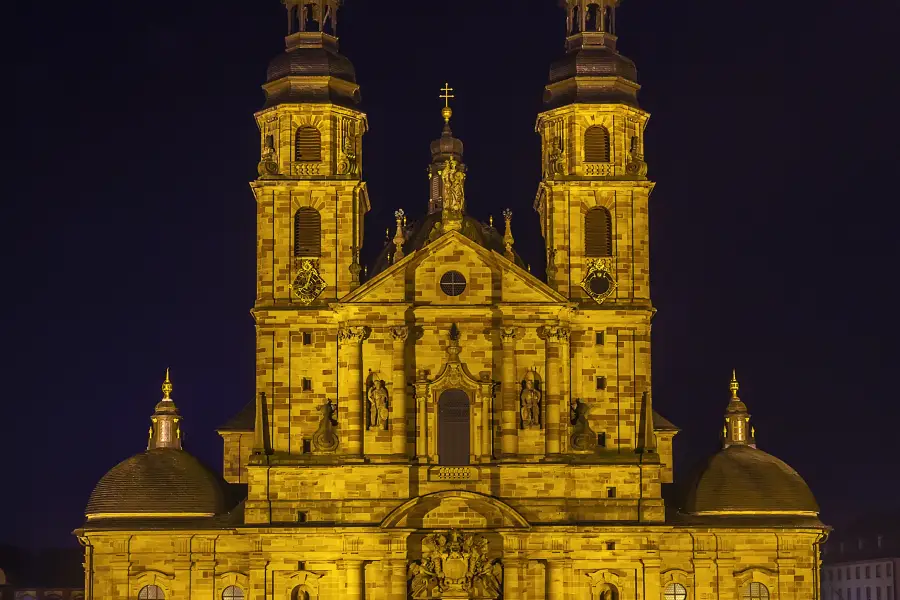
(398, 394)
(398, 580)
(511, 570)
(510, 408)
(354, 576)
(565, 391)
(556, 581)
(552, 393)
(350, 408)
(421, 417)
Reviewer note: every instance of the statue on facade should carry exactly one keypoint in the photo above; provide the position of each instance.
(454, 564)
(378, 405)
(583, 437)
(453, 179)
(325, 439)
(530, 400)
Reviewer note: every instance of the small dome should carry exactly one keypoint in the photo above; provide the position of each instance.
(327, 75)
(162, 482)
(744, 480)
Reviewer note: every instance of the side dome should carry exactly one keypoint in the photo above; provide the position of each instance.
(742, 480)
(158, 483)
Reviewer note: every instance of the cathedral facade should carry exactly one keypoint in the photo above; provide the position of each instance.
(444, 424)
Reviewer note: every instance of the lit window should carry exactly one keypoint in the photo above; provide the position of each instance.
(675, 591)
(756, 591)
(233, 592)
(151, 592)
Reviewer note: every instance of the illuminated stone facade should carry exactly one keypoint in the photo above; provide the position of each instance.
(449, 425)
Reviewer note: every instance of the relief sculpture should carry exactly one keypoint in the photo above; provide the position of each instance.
(455, 565)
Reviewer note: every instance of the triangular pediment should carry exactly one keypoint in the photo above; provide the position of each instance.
(491, 278)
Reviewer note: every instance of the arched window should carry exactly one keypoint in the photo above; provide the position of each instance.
(308, 144)
(151, 592)
(299, 594)
(307, 232)
(233, 592)
(453, 428)
(755, 591)
(675, 591)
(598, 232)
(596, 144)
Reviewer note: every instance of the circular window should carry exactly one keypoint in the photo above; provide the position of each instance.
(453, 283)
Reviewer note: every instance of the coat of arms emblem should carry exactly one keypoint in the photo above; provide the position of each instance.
(455, 565)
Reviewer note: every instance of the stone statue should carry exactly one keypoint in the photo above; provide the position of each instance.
(530, 402)
(453, 179)
(325, 438)
(378, 405)
(583, 437)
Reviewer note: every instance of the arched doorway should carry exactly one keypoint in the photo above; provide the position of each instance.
(453, 428)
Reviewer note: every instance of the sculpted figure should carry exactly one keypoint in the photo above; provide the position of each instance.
(530, 402)
(583, 437)
(378, 408)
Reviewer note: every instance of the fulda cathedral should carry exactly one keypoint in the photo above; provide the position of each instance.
(444, 424)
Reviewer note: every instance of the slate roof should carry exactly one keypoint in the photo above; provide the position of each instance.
(162, 480)
(743, 479)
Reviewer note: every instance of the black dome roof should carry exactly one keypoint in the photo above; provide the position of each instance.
(162, 482)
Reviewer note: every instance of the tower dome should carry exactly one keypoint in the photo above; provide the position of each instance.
(163, 482)
(741, 480)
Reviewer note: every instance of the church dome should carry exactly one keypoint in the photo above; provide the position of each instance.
(311, 70)
(161, 482)
(744, 480)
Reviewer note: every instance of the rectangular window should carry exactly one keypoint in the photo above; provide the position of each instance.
(600, 338)
(889, 565)
(877, 570)
(890, 593)
(857, 572)
(307, 446)
(601, 383)
(868, 572)
(878, 593)
(611, 492)
(307, 338)
(848, 573)
(839, 574)
(601, 440)
(868, 593)
(610, 545)
(306, 384)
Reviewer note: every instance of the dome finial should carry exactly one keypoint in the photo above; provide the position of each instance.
(737, 430)
(734, 386)
(167, 387)
(446, 96)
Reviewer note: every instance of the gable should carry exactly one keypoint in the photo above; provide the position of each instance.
(489, 277)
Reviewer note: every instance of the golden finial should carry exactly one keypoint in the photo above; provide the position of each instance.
(447, 112)
(734, 386)
(491, 220)
(167, 387)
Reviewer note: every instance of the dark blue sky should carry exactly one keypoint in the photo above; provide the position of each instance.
(128, 228)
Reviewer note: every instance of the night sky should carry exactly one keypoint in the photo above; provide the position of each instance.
(128, 233)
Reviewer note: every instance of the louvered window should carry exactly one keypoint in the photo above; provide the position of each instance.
(308, 145)
(307, 232)
(755, 591)
(598, 232)
(596, 144)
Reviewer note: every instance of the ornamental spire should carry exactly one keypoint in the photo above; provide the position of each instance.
(508, 239)
(446, 174)
(737, 430)
(165, 424)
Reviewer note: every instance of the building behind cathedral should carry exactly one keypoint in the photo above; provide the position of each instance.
(443, 423)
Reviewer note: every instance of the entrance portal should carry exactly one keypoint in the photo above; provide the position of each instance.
(453, 428)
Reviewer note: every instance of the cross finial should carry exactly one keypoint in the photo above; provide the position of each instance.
(446, 96)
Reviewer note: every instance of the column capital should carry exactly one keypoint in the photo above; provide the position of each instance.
(352, 334)
(554, 333)
(508, 336)
(399, 334)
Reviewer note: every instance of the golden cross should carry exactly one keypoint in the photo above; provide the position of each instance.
(446, 96)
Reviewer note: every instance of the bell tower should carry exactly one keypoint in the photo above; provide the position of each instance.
(594, 192)
(310, 196)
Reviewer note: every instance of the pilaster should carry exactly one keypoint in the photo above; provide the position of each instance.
(509, 386)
